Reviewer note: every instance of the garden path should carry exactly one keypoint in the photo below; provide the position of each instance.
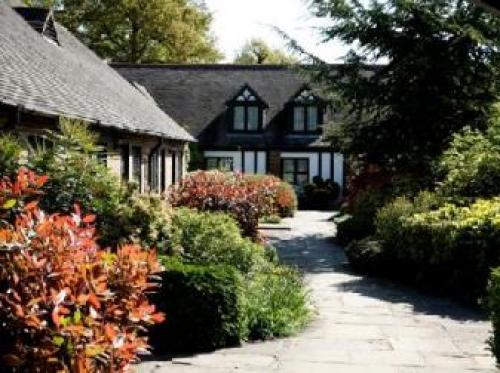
(361, 325)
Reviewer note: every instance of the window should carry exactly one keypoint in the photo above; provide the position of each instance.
(174, 167)
(39, 143)
(295, 170)
(137, 165)
(163, 172)
(124, 164)
(247, 111)
(306, 112)
(102, 154)
(220, 163)
(154, 172)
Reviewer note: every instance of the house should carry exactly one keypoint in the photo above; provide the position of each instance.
(257, 119)
(46, 74)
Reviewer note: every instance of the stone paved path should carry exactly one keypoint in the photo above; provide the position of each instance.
(362, 324)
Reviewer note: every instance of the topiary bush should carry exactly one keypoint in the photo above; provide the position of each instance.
(65, 303)
(213, 238)
(203, 304)
(320, 194)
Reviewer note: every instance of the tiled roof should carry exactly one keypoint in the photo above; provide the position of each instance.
(70, 80)
(195, 95)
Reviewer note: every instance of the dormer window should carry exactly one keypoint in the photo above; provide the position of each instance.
(307, 112)
(247, 111)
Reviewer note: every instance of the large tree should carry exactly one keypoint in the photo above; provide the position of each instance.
(258, 52)
(141, 31)
(439, 73)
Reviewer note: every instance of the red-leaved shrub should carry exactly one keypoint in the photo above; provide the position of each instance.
(66, 305)
(246, 198)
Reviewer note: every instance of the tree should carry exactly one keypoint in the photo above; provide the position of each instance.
(257, 52)
(441, 74)
(140, 31)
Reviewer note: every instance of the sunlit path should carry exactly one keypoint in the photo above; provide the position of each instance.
(361, 324)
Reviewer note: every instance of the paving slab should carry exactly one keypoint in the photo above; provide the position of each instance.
(361, 324)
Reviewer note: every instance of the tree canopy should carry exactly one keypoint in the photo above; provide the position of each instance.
(440, 73)
(140, 31)
(258, 52)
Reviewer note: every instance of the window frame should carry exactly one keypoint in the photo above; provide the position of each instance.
(219, 161)
(246, 99)
(295, 169)
(300, 101)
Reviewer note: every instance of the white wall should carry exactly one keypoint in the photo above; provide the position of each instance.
(326, 166)
(249, 162)
(261, 163)
(338, 167)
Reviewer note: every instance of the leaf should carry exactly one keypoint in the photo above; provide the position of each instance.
(9, 204)
(58, 340)
(89, 219)
(12, 360)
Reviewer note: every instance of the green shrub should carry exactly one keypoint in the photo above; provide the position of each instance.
(452, 249)
(493, 303)
(366, 255)
(271, 219)
(358, 220)
(10, 154)
(320, 194)
(203, 305)
(276, 303)
(471, 166)
(213, 238)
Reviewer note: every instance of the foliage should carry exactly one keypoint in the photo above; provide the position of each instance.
(358, 220)
(276, 303)
(257, 52)
(10, 154)
(76, 176)
(286, 200)
(321, 194)
(470, 167)
(450, 249)
(271, 219)
(155, 31)
(213, 238)
(366, 255)
(203, 306)
(66, 304)
(441, 74)
(493, 303)
(246, 198)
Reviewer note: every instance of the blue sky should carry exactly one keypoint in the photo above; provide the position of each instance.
(236, 21)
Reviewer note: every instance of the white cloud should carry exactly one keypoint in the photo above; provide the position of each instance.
(237, 21)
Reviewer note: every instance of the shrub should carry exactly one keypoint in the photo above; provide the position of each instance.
(358, 221)
(471, 166)
(366, 255)
(276, 303)
(321, 194)
(286, 200)
(246, 198)
(10, 155)
(66, 304)
(203, 307)
(271, 219)
(213, 238)
(493, 303)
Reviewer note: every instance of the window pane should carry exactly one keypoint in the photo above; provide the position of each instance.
(302, 179)
(302, 165)
(312, 118)
(288, 178)
(226, 164)
(239, 118)
(298, 118)
(124, 154)
(288, 166)
(253, 118)
(211, 163)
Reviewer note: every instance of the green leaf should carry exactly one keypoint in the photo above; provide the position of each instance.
(9, 204)
(58, 340)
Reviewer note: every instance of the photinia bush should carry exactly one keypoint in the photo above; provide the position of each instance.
(66, 305)
(246, 198)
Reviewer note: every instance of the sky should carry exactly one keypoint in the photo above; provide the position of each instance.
(237, 21)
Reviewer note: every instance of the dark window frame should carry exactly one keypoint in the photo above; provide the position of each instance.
(219, 162)
(137, 174)
(305, 99)
(252, 101)
(295, 169)
(125, 162)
